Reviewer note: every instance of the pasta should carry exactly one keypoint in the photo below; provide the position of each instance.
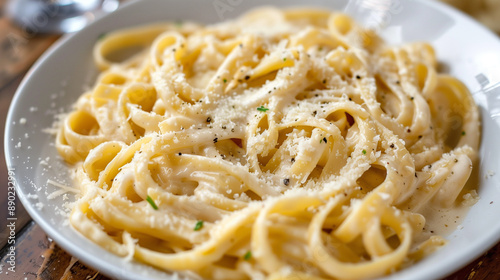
(285, 143)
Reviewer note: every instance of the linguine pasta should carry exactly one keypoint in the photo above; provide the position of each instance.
(285, 143)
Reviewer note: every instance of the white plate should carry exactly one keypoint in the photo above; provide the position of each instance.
(466, 49)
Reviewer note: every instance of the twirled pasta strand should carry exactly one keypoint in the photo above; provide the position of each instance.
(284, 143)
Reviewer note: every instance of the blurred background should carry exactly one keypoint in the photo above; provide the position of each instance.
(485, 11)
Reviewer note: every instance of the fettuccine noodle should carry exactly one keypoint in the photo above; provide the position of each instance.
(285, 143)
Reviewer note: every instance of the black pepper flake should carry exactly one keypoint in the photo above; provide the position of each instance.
(350, 99)
(247, 77)
(456, 160)
(412, 98)
(324, 81)
(224, 127)
(180, 154)
(392, 146)
(293, 160)
(416, 175)
(358, 77)
(315, 113)
(397, 82)
(215, 140)
(408, 130)
(286, 181)
(324, 140)
(420, 137)
(209, 119)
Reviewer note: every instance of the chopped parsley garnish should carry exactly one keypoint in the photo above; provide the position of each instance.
(151, 202)
(247, 256)
(262, 109)
(364, 152)
(284, 59)
(463, 132)
(225, 80)
(198, 226)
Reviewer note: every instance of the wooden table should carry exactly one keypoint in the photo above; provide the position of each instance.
(37, 256)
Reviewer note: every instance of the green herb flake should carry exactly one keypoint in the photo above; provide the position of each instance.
(151, 202)
(101, 36)
(262, 109)
(225, 80)
(463, 132)
(284, 59)
(198, 226)
(364, 152)
(247, 256)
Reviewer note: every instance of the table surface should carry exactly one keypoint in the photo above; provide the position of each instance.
(37, 257)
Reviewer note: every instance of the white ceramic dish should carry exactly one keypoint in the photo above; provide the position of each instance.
(466, 49)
